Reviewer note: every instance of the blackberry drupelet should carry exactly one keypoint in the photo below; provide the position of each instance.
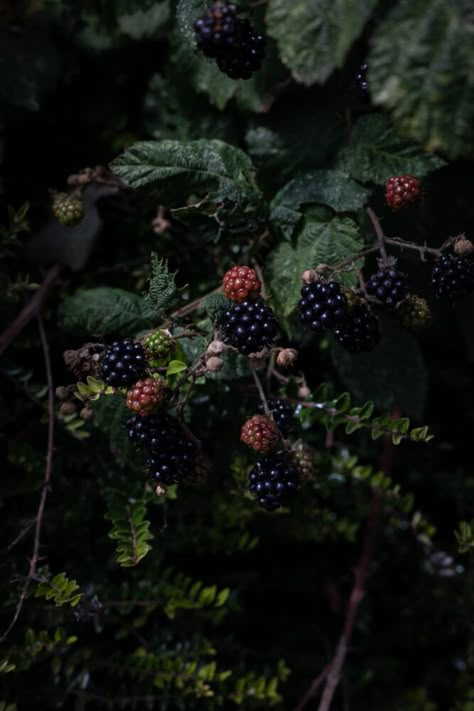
(359, 331)
(453, 277)
(272, 481)
(216, 29)
(249, 326)
(282, 412)
(244, 56)
(322, 306)
(123, 363)
(389, 286)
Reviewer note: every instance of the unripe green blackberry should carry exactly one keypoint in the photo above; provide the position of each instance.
(158, 344)
(304, 457)
(414, 312)
(68, 210)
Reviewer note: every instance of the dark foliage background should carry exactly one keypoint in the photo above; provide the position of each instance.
(232, 606)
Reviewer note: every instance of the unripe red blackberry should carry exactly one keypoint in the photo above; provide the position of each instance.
(123, 363)
(68, 210)
(158, 344)
(322, 305)
(241, 283)
(358, 331)
(260, 433)
(401, 190)
(453, 277)
(272, 481)
(216, 29)
(414, 312)
(146, 395)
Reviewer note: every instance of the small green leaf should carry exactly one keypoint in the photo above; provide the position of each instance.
(175, 367)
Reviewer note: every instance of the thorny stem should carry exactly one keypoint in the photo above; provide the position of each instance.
(380, 235)
(46, 482)
(260, 389)
(382, 240)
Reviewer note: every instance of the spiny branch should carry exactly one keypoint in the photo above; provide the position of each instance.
(46, 483)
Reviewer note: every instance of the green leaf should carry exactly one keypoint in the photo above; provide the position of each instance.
(104, 311)
(162, 288)
(421, 68)
(205, 177)
(393, 375)
(175, 367)
(323, 238)
(314, 36)
(145, 22)
(327, 187)
(129, 527)
(377, 152)
(215, 305)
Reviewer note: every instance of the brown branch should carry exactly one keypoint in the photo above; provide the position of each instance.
(30, 310)
(260, 389)
(315, 684)
(46, 482)
(19, 537)
(422, 249)
(379, 232)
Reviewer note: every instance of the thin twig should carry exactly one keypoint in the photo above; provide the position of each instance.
(379, 232)
(30, 310)
(19, 537)
(260, 389)
(46, 482)
(315, 684)
(258, 269)
(422, 249)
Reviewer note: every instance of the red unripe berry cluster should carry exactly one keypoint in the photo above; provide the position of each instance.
(260, 433)
(401, 190)
(241, 283)
(145, 396)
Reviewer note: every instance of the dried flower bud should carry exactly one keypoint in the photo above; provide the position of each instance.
(67, 408)
(214, 364)
(215, 348)
(309, 275)
(304, 392)
(87, 413)
(62, 393)
(463, 247)
(287, 357)
(160, 490)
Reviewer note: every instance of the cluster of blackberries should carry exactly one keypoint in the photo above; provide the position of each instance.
(123, 363)
(453, 277)
(232, 42)
(323, 306)
(171, 454)
(282, 412)
(249, 326)
(389, 286)
(272, 481)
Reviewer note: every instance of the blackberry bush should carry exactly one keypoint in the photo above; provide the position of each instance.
(123, 363)
(322, 305)
(250, 326)
(273, 481)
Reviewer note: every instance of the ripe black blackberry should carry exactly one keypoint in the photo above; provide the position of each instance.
(249, 326)
(388, 285)
(272, 481)
(282, 412)
(453, 277)
(153, 431)
(123, 363)
(244, 55)
(322, 306)
(216, 29)
(359, 331)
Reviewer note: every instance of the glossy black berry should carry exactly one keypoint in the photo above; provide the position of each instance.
(152, 432)
(216, 29)
(322, 305)
(283, 413)
(249, 326)
(123, 363)
(359, 331)
(453, 277)
(388, 286)
(244, 56)
(272, 481)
